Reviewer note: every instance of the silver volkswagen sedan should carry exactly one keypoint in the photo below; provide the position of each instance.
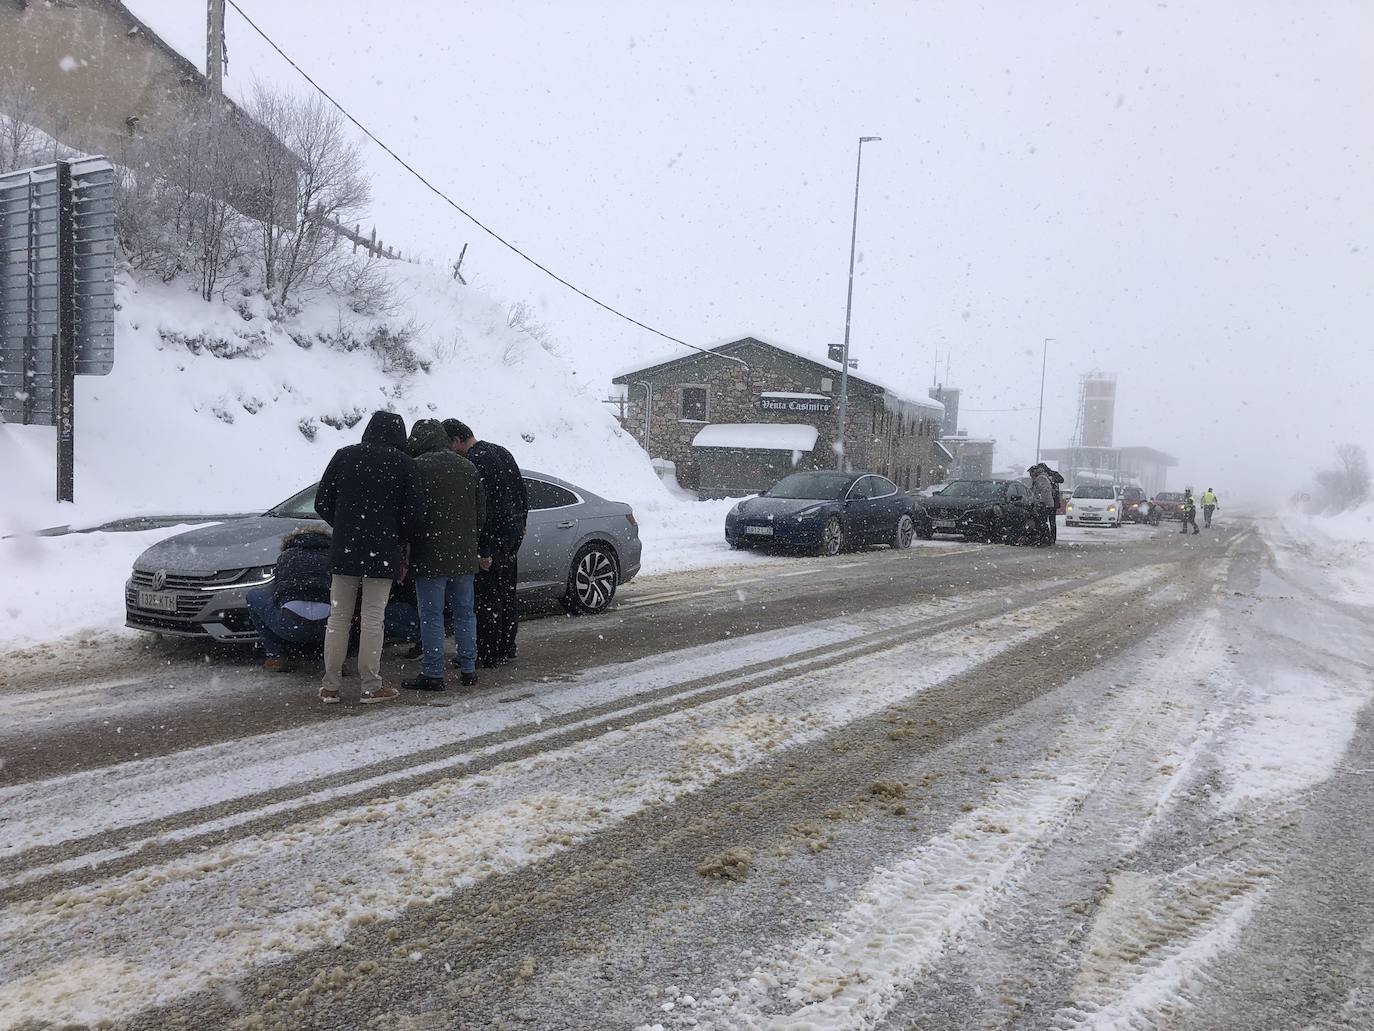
(578, 549)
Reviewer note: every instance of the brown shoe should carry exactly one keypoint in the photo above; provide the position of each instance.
(276, 664)
(329, 697)
(382, 694)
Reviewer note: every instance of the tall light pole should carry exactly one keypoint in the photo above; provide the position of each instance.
(1040, 420)
(843, 408)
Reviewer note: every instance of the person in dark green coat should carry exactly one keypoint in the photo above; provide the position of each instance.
(443, 553)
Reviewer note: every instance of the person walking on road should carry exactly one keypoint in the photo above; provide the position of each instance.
(1209, 505)
(370, 494)
(1189, 512)
(1042, 499)
(443, 554)
(498, 615)
(294, 607)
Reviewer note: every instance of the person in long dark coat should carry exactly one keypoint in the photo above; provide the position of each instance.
(443, 555)
(370, 494)
(498, 614)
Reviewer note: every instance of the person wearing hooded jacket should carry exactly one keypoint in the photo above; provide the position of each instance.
(1042, 497)
(371, 495)
(443, 554)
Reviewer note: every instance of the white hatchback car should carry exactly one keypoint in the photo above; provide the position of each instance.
(1094, 504)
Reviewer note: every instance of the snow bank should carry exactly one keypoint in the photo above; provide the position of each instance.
(67, 586)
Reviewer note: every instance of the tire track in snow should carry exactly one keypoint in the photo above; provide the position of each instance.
(151, 935)
(906, 915)
(162, 793)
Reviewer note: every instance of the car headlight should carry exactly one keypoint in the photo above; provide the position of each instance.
(810, 511)
(1068, 507)
(256, 576)
(1111, 508)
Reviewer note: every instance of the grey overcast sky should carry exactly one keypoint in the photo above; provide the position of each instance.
(1178, 192)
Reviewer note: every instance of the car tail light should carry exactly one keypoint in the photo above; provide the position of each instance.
(630, 516)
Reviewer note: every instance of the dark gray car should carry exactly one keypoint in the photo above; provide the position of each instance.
(578, 549)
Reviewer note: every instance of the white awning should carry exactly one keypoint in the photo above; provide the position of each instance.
(758, 436)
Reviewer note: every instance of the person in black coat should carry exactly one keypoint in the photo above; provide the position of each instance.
(293, 608)
(371, 495)
(498, 616)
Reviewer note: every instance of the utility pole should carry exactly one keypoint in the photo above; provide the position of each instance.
(843, 407)
(1040, 421)
(214, 48)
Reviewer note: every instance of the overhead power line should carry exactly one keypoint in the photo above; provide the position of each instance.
(458, 207)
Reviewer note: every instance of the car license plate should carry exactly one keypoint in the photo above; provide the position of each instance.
(759, 531)
(943, 524)
(157, 601)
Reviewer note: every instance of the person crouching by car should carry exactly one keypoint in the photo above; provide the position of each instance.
(294, 607)
(443, 554)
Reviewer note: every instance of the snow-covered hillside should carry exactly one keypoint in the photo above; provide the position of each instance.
(213, 408)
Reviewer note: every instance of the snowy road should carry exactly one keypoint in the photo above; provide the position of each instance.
(1125, 784)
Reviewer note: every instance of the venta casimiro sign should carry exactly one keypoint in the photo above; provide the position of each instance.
(795, 404)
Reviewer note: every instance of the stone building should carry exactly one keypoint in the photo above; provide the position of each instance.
(737, 418)
(98, 80)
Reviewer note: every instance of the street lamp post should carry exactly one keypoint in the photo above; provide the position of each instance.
(843, 407)
(1040, 420)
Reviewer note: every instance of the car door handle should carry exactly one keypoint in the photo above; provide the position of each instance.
(567, 524)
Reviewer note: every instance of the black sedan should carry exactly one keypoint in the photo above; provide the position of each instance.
(826, 512)
(982, 510)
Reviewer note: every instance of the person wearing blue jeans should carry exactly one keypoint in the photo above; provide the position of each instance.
(443, 553)
(433, 594)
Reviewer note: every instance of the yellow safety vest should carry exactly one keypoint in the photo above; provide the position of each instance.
(1209, 499)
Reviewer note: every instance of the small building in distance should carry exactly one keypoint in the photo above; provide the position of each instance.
(734, 427)
(1145, 467)
(973, 456)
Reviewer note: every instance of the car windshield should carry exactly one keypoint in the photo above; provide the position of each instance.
(1092, 490)
(1169, 497)
(985, 490)
(298, 506)
(813, 486)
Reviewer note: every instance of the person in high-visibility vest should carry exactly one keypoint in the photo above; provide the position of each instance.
(1189, 512)
(1209, 505)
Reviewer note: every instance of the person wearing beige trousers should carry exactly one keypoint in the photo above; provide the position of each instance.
(371, 495)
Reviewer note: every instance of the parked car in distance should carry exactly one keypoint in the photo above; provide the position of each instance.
(989, 510)
(1094, 504)
(1132, 498)
(825, 513)
(1169, 504)
(578, 549)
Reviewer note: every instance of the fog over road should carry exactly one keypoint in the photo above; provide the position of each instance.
(1124, 783)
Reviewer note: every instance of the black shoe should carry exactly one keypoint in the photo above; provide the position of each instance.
(470, 679)
(424, 683)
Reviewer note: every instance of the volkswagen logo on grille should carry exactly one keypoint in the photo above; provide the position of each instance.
(159, 580)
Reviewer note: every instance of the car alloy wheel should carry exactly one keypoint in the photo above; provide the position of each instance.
(592, 582)
(906, 530)
(832, 537)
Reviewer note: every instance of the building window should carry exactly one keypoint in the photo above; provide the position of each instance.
(693, 404)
